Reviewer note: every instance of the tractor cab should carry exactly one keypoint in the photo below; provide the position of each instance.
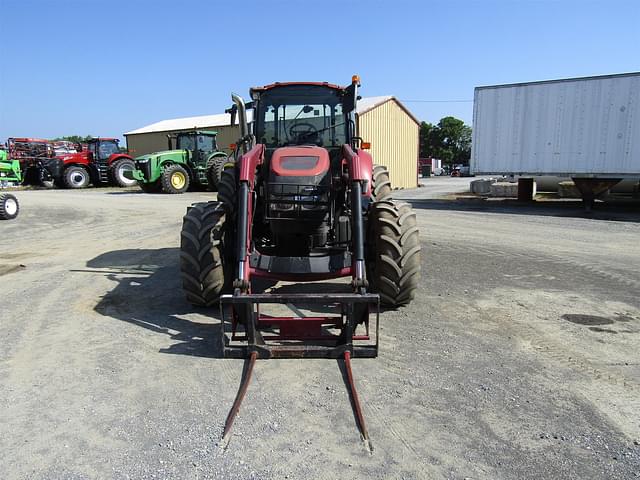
(201, 144)
(103, 148)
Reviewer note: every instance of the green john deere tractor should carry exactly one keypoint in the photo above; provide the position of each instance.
(196, 160)
(10, 172)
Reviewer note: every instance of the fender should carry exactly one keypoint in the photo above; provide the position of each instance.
(249, 162)
(79, 158)
(360, 166)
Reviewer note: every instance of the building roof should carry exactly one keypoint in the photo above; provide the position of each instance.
(224, 119)
(367, 104)
(219, 120)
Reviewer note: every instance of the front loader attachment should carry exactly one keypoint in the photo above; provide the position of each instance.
(248, 333)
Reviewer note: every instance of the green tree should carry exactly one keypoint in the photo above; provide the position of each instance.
(449, 140)
(74, 138)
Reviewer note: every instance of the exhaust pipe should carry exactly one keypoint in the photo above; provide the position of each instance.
(242, 120)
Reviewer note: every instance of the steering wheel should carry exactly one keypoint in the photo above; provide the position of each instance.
(302, 129)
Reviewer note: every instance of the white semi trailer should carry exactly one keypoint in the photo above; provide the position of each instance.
(587, 129)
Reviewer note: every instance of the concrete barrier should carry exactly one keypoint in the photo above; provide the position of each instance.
(504, 189)
(482, 186)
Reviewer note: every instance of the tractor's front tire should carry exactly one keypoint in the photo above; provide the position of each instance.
(76, 177)
(9, 206)
(228, 188)
(380, 184)
(214, 172)
(393, 252)
(116, 173)
(205, 266)
(175, 179)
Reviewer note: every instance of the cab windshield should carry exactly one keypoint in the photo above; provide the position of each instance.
(301, 115)
(106, 149)
(206, 143)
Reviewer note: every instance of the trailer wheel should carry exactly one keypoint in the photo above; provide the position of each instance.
(76, 177)
(228, 188)
(153, 187)
(393, 252)
(116, 173)
(205, 260)
(380, 184)
(9, 206)
(175, 179)
(215, 167)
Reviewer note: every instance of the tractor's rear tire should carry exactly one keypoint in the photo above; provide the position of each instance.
(9, 206)
(153, 187)
(228, 188)
(214, 171)
(116, 173)
(393, 252)
(380, 184)
(175, 179)
(205, 264)
(76, 177)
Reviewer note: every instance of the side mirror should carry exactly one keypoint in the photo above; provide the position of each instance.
(350, 98)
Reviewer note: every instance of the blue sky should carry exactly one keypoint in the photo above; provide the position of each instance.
(106, 67)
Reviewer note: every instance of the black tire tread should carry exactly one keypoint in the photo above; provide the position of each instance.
(205, 275)
(113, 178)
(228, 187)
(380, 184)
(68, 184)
(393, 259)
(165, 179)
(215, 166)
(3, 213)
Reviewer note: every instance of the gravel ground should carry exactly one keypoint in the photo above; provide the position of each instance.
(518, 359)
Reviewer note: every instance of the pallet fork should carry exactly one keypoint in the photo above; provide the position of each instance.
(253, 335)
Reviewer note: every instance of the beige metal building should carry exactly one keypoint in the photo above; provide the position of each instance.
(383, 121)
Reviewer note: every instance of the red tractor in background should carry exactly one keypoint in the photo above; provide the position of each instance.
(100, 162)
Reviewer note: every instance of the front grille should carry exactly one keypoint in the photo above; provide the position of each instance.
(297, 202)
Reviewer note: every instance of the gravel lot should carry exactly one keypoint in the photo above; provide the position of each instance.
(518, 359)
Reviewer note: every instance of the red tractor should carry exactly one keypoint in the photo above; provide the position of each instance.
(100, 162)
(303, 202)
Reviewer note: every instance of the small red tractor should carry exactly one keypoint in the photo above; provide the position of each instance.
(301, 201)
(101, 162)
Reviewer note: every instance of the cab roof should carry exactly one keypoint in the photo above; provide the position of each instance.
(284, 84)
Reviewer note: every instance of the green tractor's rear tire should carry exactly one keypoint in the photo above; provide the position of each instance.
(206, 263)
(393, 252)
(9, 206)
(175, 179)
(153, 187)
(215, 167)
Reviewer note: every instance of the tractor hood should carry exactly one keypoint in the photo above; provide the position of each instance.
(162, 153)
